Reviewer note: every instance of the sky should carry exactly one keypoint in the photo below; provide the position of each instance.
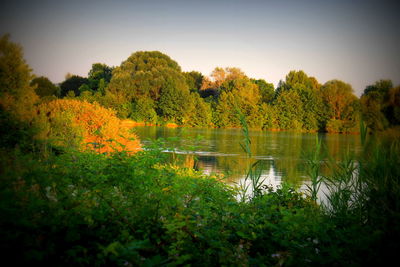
(354, 41)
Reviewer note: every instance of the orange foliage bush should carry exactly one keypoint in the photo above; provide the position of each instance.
(68, 122)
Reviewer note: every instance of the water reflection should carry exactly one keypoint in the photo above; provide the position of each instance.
(283, 154)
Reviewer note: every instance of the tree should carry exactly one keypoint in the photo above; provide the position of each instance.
(150, 75)
(337, 96)
(308, 89)
(237, 91)
(381, 87)
(296, 79)
(267, 90)
(199, 111)
(289, 108)
(225, 114)
(99, 76)
(393, 109)
(342, 106)
(218, 75)
(17, 96)
(144, 74)
(72, 83)
(44, 87)
(378, 105)
(173, 104)
(144, 111)
(194, 80)
(269, 116)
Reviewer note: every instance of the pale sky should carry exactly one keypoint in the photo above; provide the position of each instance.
(354, 41)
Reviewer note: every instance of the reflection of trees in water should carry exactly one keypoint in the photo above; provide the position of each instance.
(207, 164)
(288, 160)
(283, 154)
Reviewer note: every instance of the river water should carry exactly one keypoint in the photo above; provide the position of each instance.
(282, 155)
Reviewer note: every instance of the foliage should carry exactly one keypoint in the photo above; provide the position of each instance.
(72, 84)
(150, 87)
(239, 91)
(83, 208)
(380, 105)
(14, 132)
(194, 80)
(199, 112)
(145, 74)
(173, 102)
(17, 96)
(290, 110)
(144, 111)
(99, 76)
(337, 96)
(73, 123)
(150, 77)
(77, 207)
(266, 89)
(44, 87)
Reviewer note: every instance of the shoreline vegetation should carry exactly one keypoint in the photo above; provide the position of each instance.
(149, 87)
(78, 188)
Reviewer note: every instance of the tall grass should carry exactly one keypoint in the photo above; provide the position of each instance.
(253, 179)
(313, 170)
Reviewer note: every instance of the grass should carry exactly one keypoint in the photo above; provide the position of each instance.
(252, 185)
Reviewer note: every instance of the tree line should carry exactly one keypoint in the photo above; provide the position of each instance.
(151, 87)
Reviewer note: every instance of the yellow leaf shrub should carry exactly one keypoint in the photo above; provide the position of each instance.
(80, 124)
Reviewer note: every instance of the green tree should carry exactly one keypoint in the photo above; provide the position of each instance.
(308, 89)
(173, 103)
(99, 76)
(144, 111)
(44, 87)
(72, 83)
(225, 114)
(393, 108)
(267, 90)
(149, 75)
(378, 105)
(295, 79)
(16, 94)
(194, 80)
(269, 116)
(145, 74)
(237, 91)
(289, 108)
(381, 87)
(342, 106)
(199, 111)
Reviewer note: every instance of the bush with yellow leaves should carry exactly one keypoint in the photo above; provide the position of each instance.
(82, 125)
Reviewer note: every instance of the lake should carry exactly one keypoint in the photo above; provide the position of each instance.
(283, 155)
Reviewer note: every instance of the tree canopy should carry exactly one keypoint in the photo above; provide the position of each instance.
(150, 87)
(16, 94)
(72, 84)
(44, 87)
(145, 74)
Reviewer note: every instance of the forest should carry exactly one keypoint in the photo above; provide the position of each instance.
(79, 188)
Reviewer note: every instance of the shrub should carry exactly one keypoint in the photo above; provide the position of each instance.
(79, 124)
